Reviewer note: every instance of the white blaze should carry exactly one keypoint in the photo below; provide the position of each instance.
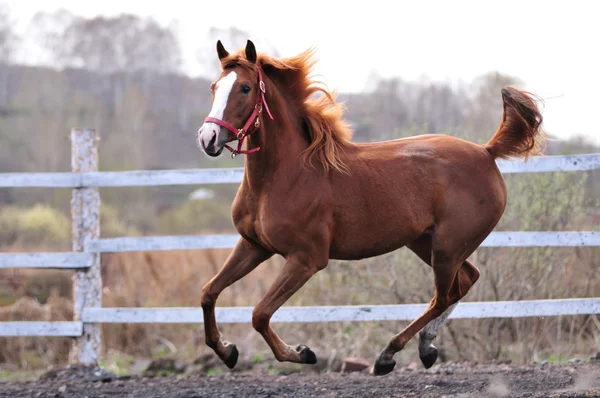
(222, 90)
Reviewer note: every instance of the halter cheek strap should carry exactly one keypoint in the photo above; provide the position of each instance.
(244, 131)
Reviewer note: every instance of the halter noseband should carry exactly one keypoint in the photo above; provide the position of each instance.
(243, 132)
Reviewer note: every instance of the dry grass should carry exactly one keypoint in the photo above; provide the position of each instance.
(175, 279)
(33, 353)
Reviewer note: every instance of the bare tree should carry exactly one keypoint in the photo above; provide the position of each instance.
(485, 109)
(439, 108)
(107, 44)
(45, 31)
(233, 39)
(8, 38)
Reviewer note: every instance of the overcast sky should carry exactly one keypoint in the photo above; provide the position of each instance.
(552, 46)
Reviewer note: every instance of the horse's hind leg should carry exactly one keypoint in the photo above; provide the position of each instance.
(467, 274)
(428, 353)
(451, 284)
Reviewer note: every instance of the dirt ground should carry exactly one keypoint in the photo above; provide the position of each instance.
(575, 379)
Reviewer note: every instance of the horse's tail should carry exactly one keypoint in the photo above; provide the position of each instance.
(519, 132)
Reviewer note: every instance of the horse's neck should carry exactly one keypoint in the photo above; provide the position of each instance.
(280, 141)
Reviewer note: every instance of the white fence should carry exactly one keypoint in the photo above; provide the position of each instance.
(87, 246)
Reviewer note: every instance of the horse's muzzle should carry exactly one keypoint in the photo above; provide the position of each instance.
(207, 138)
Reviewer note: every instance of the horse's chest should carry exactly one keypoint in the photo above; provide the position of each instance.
(258, 222)
(246, 216)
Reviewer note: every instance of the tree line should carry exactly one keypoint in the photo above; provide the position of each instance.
(122, 75)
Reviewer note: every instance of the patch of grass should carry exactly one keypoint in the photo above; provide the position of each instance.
(160, 352)
(214, 372)
(557, 358)
(118, 363)
(166, 373)
(25, 375)
(256, 358)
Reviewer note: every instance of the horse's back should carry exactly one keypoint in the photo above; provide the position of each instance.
(397, 190)
(433, 158)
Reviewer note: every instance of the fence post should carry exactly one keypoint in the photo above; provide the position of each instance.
(85, 214)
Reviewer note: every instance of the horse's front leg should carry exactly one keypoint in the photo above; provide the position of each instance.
(295, 273)
(243, 259)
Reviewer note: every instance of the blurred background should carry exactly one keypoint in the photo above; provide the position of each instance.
(139, 74)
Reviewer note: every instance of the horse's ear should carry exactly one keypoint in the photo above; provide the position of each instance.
(250, 52)
(221, 50)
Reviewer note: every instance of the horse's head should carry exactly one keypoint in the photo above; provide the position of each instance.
(238, 100)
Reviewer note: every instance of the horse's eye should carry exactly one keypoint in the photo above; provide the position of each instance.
(245, 89)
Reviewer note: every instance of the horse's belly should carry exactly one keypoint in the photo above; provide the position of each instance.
(360, 243)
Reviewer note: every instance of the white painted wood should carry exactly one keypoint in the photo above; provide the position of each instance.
(31, 328)
(542, 239)
(124, 178)
(45, 260)
(176, 242)
(40, 180)
(193, 242)
(405, 312)
(234, 175)
(85, 213)
(527, 308)
(541, 164)
(231, 175)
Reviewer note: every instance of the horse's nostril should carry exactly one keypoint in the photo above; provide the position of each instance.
(213, 139)
(207, 137)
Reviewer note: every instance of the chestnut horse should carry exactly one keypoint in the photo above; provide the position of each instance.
(310, 194)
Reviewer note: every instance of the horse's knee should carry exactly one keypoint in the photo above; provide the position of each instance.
(208, 296)
(260, 319)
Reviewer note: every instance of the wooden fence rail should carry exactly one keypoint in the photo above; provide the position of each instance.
(234, 175)
(84, 260)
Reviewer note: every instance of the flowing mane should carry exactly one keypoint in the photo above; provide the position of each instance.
(322, 116)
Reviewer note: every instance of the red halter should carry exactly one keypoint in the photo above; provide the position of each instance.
(243, 132)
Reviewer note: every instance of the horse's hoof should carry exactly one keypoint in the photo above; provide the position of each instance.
(383, 366)
(306, 354)
(429, 358)
(233, 357)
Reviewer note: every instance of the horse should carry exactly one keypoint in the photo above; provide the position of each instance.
(311, 194)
